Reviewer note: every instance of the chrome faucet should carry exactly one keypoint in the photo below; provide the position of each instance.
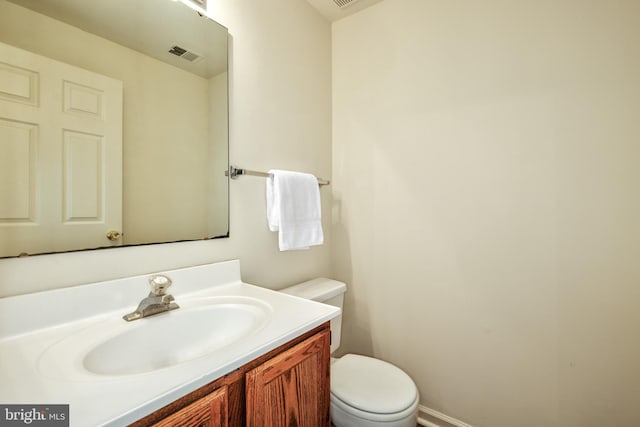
(158, 300)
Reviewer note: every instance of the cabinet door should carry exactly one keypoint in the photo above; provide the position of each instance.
(209, 411)
(291, 389)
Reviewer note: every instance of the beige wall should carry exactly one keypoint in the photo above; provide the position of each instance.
(485, 175)
(280, 117)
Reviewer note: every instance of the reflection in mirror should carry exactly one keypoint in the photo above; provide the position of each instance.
(113, 125)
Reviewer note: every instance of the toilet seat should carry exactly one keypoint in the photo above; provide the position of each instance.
(372, 389)
(353, 413)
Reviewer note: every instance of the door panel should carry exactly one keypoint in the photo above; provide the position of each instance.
(17, 171)
(18, 84)
(83, 176)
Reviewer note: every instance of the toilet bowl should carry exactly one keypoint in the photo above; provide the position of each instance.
(365, 392)
(369, 392)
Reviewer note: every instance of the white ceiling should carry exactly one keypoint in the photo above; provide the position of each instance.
(330, 10)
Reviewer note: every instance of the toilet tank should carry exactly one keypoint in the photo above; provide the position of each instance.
(326, 291)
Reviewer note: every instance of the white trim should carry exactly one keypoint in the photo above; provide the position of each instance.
(426, 423)
(423, 410)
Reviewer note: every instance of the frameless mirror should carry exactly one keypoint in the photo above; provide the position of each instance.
(113, 125)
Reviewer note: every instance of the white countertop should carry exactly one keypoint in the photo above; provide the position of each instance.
(31, 324)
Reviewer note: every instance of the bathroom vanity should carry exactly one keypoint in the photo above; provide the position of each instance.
(233, 353)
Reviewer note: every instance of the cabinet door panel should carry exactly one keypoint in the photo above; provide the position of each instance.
(210, 411)
(291, 389)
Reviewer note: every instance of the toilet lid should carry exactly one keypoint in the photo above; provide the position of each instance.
(371, 385)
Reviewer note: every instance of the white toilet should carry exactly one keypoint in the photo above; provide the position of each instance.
(365, 392)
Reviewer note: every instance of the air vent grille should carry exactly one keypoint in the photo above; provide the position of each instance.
(185, 54)
(190, 56)
(344, 3)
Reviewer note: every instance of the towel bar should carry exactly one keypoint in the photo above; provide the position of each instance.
(233, 173)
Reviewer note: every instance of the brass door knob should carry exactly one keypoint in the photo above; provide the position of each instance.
(113, 235)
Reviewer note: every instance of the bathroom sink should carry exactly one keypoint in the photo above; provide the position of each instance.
(199, 328)
(72, 345)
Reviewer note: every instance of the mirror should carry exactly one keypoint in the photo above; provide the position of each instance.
(113, 125)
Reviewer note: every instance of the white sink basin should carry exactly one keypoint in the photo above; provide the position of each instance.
(200, 327)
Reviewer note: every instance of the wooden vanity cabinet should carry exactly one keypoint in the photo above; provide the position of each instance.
(292, 388)
(288, 386)
(211, 410)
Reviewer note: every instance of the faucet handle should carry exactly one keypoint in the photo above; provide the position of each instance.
(159, 284)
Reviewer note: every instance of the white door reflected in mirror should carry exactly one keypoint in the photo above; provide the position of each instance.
(61, 153)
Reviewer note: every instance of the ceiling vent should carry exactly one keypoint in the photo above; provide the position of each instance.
(334, 10)
(344, 3)
(185, 54)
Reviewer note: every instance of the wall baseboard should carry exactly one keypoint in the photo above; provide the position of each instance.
(428, 417)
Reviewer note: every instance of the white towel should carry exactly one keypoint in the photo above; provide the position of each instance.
(293, 209)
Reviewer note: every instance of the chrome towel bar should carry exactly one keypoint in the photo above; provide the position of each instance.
(234, 172)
